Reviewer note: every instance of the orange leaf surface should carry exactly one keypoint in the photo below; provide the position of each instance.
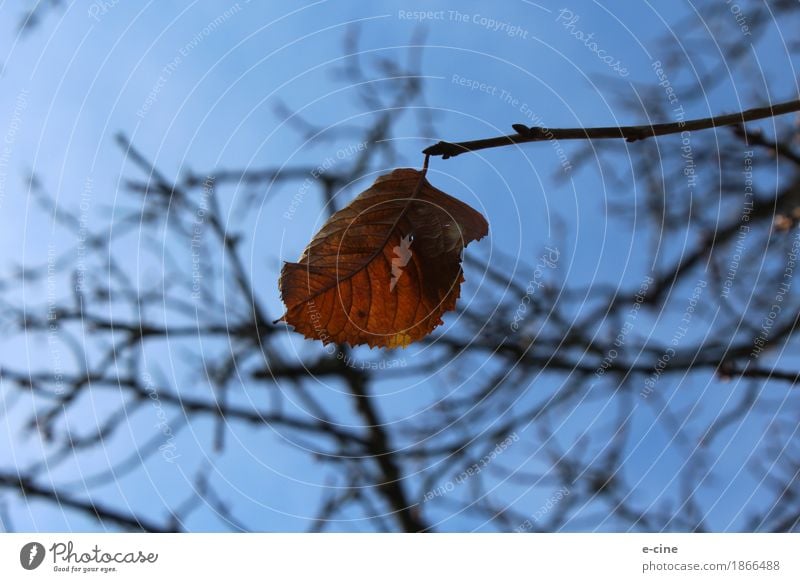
(383, 270)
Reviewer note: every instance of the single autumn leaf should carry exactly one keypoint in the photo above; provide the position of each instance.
(383, 270)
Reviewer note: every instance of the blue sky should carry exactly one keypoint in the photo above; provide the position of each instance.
(200, 98)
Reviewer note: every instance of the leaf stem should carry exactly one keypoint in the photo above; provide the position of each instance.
(527, 134)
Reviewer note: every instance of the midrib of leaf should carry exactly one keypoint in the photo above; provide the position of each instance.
(380, 248)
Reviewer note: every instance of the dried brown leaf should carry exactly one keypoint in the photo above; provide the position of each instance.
(383, 270)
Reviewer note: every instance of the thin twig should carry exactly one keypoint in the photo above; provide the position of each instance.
(630, 133)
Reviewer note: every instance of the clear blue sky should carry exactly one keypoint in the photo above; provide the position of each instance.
(202, 98)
